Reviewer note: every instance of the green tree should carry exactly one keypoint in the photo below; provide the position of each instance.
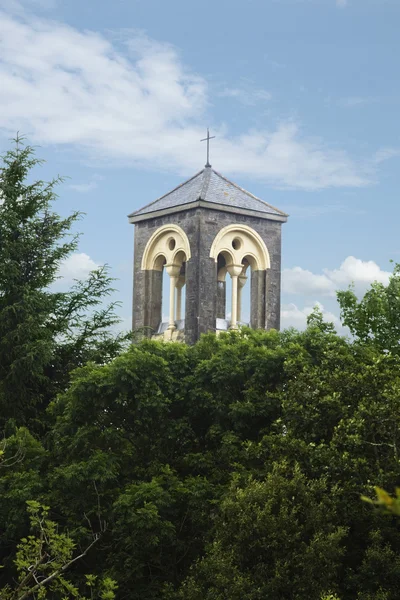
(157, 436)
(274, 538)
(251, 445)
(42, 560)
(384, 500)
(376, 317)
(44, 334)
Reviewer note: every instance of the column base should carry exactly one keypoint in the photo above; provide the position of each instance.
(169, 332)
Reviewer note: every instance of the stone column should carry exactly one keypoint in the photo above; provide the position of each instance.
(241, 283)
(173, 272)
(234, 271)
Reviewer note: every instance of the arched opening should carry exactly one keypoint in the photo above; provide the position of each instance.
(240, 252)
(173, 301)
(221, 287)
(224, 292)
(164, 259)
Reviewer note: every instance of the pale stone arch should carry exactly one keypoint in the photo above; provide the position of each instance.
(168, 247)
(237, 250)
(238, 242)
(164, 247)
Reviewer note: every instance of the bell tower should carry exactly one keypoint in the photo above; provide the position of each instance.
(203, 232)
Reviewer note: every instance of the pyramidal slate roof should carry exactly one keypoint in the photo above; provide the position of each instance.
(210, 189)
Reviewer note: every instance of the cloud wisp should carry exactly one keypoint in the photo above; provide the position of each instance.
(357, 101)
(83, 188)
(89, 186)
(352, 271)
(246, 94)
(132, 100)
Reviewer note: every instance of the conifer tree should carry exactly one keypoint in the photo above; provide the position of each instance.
(44, 334)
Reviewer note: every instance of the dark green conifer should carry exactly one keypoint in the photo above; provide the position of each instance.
(44, 334)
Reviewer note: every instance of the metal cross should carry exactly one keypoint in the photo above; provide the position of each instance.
(207, 139)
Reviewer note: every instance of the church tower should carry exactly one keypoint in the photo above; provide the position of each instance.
(203, 232)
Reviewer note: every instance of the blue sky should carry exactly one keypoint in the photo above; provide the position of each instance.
(302, 96)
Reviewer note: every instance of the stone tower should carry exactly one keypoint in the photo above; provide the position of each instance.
(203, 231)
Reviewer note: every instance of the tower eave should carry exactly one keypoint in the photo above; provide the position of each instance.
(283, 217)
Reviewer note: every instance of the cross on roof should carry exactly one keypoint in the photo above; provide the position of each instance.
(207, 139)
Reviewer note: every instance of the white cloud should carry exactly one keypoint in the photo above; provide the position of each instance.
(83, 188)
(341, 3)
(352, 271)
(301, 281)
(361, 273)
(292, 316)
(76, 266)
(133, 100)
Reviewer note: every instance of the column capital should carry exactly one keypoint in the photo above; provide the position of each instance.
(173, 270)
(234, 270)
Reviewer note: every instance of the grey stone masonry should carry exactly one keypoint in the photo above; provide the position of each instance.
(205, 297)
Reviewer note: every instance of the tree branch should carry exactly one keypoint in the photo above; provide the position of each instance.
(57, 572)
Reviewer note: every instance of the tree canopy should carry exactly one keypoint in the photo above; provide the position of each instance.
(231, 469)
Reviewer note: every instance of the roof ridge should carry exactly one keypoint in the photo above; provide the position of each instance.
(168, 193)
(206, 183)
(249, 193)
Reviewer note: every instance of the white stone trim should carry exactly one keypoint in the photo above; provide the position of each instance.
(251, 245)
(158, 245)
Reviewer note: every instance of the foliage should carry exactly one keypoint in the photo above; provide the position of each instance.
(42, 559)
(383, 499)
(255, 444)
(274, 538)
(376, 317)
(44, 334)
